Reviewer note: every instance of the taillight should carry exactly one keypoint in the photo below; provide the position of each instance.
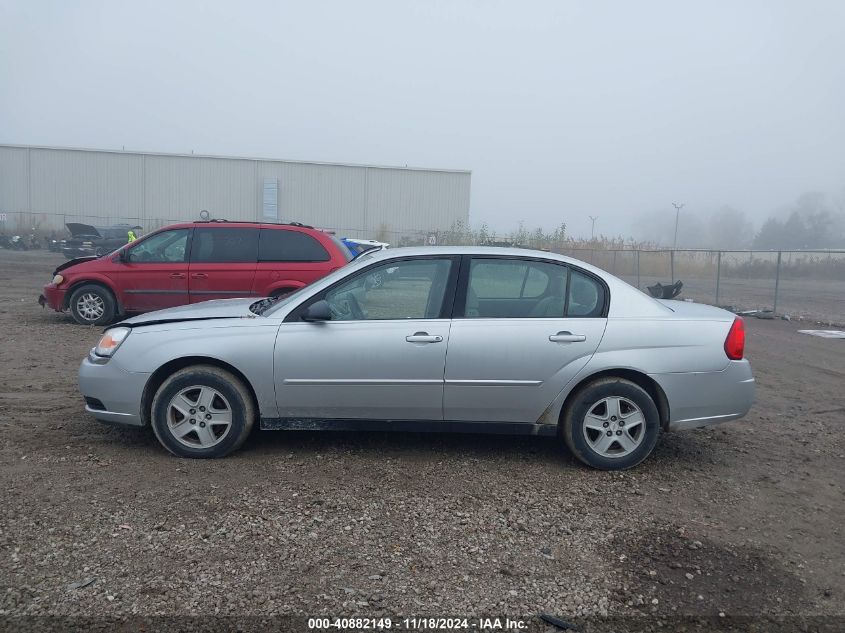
(735, 342)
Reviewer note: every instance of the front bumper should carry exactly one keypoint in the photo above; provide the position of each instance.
(53, 296)
(699, 399)
(117, 390)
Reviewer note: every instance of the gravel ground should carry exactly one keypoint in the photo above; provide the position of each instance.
(742, 520)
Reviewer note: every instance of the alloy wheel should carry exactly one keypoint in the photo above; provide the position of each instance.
(614, 427)
(199, 417)
(90, 306)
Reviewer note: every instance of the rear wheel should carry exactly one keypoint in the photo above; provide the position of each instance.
(202, 411)
(92, 304)
(611, 424)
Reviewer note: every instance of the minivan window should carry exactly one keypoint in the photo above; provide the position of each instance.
(283, 245)
(224, 245)
(164, 247)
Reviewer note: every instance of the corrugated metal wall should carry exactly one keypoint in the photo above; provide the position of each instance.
(45, 187)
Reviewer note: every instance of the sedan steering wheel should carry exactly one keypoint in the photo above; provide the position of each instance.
(345, 307)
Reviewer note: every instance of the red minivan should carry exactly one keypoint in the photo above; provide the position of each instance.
(192, 262)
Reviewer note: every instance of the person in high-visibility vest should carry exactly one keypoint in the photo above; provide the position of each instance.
(132, 237)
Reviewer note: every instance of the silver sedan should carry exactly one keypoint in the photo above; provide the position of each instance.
(430, 339)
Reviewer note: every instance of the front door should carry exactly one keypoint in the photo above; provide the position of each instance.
(223, 261)
(382, 355)
(154, 274)
(526, 329)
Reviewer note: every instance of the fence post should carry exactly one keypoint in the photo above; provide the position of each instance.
(777, 284)
(614, 263)
(672, 264)
(718, 273)
(638, 269)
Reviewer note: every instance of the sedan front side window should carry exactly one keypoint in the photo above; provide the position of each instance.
(409, 289)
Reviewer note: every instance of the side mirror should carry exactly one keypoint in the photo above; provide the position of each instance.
(122, 256)
(318, 311)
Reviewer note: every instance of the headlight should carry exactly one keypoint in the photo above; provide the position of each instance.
(111, 340)
(58, 279)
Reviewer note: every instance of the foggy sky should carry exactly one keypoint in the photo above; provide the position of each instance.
(560, 109)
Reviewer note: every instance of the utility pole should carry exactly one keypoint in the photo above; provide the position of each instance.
(678, 208)
(593, 229)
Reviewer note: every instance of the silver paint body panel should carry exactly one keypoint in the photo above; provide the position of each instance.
(485, 370)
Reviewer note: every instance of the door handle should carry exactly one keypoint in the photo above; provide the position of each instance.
(424, 337)
(567, 337)
(177, 275)
(199, 276)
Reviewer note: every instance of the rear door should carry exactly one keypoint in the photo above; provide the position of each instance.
(525, 329)
(223, 262)
(154, 274)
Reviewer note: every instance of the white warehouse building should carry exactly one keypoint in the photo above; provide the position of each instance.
(42, 188)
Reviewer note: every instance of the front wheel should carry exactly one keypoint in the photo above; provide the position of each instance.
(92, 304)
(202, 411)
(611, 424)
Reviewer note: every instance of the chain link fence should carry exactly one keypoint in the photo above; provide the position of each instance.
(800, 284)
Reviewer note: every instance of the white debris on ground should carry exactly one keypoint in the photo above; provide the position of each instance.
(824, 333)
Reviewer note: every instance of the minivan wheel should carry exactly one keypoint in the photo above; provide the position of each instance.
(611, 424)
(202, 411)
(92, 304)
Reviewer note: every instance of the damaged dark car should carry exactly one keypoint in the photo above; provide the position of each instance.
(86, 240)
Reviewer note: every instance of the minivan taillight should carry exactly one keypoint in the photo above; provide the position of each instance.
(735, 342)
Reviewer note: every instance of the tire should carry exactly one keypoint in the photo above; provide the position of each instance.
(92, 304)
(202, 386)
(281, 293)
(629, 414)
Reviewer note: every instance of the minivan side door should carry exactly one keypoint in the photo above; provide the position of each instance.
(381, 356)
(223, 262)
(523, 328)
(153, 273)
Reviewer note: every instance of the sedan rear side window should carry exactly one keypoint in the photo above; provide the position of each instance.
(282, 245)
(515, 288)
(224, 245)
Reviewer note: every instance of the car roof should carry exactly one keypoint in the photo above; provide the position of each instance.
(492, 251)
(239, 223)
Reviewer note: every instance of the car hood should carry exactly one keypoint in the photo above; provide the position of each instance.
(74, 262)
(215, 309)
(76, 229)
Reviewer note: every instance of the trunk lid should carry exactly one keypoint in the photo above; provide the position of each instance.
(699, 311)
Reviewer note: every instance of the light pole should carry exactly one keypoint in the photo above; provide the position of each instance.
(593, 229)
(678, 208)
